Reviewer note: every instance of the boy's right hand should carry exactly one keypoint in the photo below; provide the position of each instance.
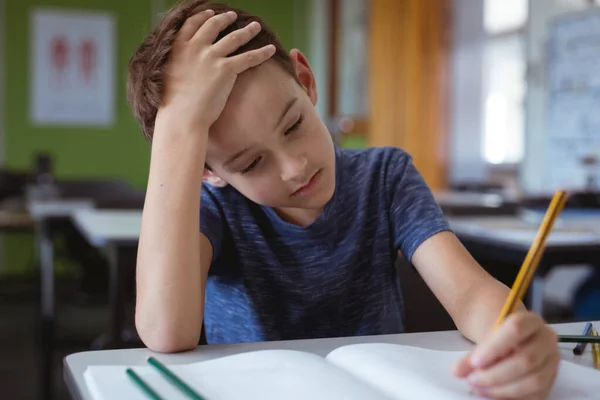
(199, 77)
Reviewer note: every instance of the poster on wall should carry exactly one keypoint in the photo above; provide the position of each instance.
(72, 66)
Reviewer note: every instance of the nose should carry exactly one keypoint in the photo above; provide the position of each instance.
(293, 168)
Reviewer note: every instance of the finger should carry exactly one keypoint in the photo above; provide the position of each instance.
(517, 329)
(209, 32)
(526, 359)
(462, 368)
(536, 383)
(236, 39)
(249, 59)
(193, 23)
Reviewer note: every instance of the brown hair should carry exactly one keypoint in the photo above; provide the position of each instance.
(145, 75)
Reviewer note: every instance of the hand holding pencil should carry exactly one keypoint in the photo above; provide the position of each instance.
(519, 360)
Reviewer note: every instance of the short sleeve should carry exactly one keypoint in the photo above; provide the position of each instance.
(415, 215)
(212, 221)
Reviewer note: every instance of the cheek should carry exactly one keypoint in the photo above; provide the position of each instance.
(265, 190)
(316, 132)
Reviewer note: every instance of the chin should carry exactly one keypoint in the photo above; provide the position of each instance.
(319, 199)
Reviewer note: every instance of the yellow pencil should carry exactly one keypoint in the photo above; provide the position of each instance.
(596, 351)
(534, 255)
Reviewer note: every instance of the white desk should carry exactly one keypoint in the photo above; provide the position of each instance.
(520, 232)
(469, 199)
(104, 227)
(455, 203)
(40, 209)
(75, 364)
(115, 232)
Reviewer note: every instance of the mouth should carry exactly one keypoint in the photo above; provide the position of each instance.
(309, 186)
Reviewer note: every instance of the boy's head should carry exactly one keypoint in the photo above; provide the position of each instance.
(269, 141)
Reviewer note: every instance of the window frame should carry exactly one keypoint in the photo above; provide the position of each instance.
(520, 32)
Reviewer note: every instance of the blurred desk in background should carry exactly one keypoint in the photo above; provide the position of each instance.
(116, 232)
(51, 211)
(455, 203)
(500, 244)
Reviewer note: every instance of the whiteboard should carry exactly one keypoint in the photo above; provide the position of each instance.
(572, 125)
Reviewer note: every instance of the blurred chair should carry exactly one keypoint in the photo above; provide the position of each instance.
(478, 187)
(577, 200)
(13, 183)
(13, 211)
(423, 311)
(131, 200)
(97, 190)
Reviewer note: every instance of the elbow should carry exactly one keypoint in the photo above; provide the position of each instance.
(167, 345)
(167, 340)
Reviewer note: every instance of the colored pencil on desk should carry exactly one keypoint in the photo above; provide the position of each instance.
(596, 351)
(534, 255)
(174, 379)
(580, 347)
(143, 385)
(578, 339)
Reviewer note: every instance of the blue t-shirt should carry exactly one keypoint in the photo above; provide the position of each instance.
(272, 280)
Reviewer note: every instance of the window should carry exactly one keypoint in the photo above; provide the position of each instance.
(352, 79)
(504, 81)
(504, 15)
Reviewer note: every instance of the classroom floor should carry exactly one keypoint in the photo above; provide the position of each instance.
(78, 325)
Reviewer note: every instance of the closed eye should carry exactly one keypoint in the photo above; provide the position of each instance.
(295, 126)
(251, 166)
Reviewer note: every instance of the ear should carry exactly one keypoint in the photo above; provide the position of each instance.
(305, 74)
(212, 179)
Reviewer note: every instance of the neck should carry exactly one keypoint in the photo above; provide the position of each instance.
(298, 216)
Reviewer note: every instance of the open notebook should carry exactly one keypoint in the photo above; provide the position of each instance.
(355, 372)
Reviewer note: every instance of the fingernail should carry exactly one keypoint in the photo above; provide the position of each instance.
(209, 11)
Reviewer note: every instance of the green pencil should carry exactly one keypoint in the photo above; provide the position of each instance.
(142, 385)
(578, 339)
(181, 385)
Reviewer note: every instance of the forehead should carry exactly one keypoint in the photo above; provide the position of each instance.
(253, 109)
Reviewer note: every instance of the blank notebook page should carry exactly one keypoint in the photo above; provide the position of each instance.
(263, 375)
(405, 372)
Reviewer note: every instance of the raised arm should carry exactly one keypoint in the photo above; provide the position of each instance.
(173, 256)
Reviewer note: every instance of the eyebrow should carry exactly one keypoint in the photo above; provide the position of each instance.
(289, 105)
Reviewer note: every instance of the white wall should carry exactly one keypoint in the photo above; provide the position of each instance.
(466, 97)
(541, 12)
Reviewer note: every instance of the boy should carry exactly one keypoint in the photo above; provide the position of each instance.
(297, 237)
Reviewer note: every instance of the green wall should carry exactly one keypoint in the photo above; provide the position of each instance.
(78, 151)
(82, 152)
